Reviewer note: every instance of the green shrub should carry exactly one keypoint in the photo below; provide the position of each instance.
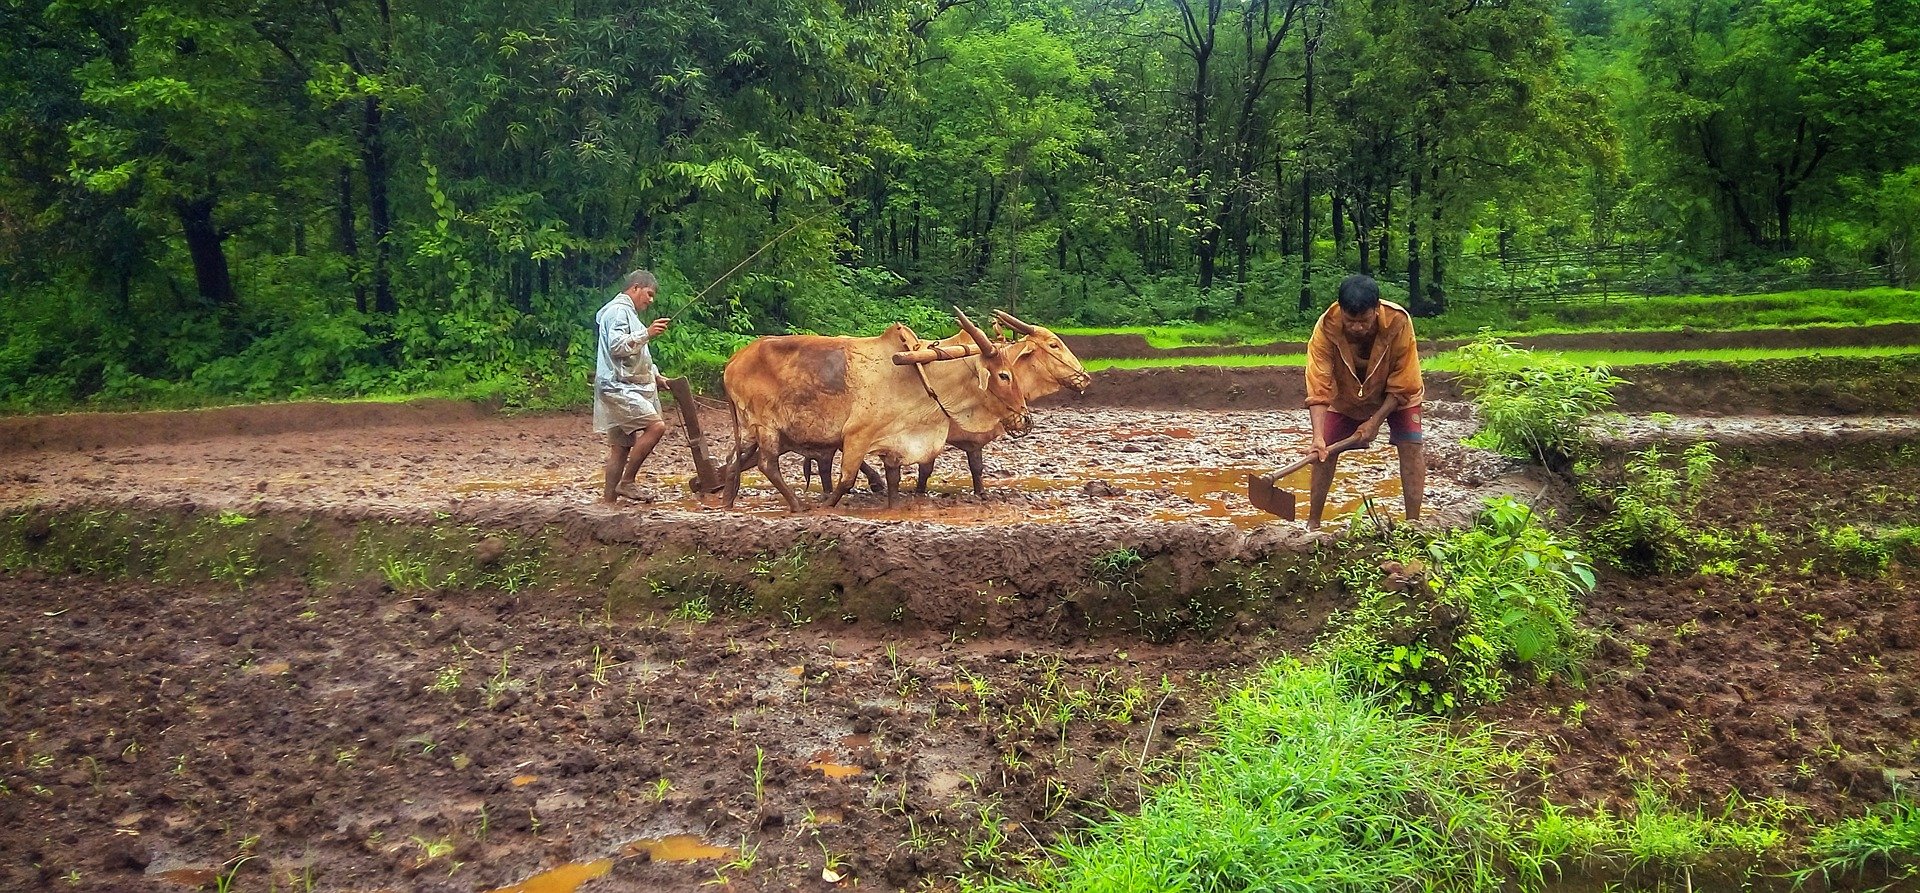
(1533, 405)
(1447, 623)
(1648, 524)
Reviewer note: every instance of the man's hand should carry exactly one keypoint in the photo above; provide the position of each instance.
(659, 381)
(1319, 449)
(659, 326)
(1367, 431)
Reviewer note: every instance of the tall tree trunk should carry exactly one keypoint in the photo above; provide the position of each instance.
(203, 246)
(1436, 289)
(1339, 224)
(1306, 190)
(1413, 230)
(373, 159)
(350, 239)
(1385, 228)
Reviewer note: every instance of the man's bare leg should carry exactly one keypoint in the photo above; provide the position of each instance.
(1322, 484)
(616, 460)
(1413, 477)
(642, 448)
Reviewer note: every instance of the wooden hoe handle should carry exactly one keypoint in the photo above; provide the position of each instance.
(1333, 449)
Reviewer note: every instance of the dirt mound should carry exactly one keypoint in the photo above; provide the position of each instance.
(102, 430)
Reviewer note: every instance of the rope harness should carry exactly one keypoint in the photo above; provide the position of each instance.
(913, 342)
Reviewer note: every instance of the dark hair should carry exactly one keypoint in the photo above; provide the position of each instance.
(1359, 294)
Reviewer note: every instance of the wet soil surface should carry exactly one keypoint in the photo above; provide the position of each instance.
(1079, 465)
(161, 738)
(1796, 677)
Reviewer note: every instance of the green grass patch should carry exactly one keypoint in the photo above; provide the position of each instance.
(1450, 361)
(1781, 310)
(1308, 788)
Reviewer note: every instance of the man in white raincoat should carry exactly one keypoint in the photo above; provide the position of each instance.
(626, 396)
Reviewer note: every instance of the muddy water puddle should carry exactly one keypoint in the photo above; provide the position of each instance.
(677, 848)
(1221, 493)
(565, 879)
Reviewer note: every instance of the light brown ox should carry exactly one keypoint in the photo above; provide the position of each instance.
(812, 394)
(1043, 366)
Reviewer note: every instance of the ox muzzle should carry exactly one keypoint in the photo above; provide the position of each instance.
(1020, 425)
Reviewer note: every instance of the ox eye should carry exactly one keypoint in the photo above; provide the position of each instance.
(1005, 377)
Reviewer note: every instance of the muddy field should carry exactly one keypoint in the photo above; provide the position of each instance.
(340, 732)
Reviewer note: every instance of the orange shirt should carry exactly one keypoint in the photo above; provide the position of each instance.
(1335, 374)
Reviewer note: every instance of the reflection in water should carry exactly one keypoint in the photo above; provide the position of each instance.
(192, 877)
(565, 879)
(677, 848)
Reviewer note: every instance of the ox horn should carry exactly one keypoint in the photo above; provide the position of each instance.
(987, 347)
(1013, 322)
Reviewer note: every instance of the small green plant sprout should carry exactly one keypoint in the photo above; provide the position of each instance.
(232, 519)
(694, 611)
(446, 680)
(1118, 568)
(432, 850)
(661, 788)
(759, 778)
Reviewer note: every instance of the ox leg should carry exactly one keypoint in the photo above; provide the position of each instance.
(770, 466)
(926, 475)
(850, 465)
(807, 466)
(874, 483)
(742, 454)
(977, 466)
(893, 479)
(826, 474)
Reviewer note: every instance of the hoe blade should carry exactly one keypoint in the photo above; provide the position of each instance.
(1269, 498)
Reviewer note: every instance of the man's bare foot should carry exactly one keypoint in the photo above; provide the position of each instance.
(632, 491)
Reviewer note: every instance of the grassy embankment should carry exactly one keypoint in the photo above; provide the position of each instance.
(1793, 309)
(1449, 362)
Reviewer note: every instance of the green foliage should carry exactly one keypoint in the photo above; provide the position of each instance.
(1533, 405)
(1887, 838)
(1855, 551)
(1647, 524)
(1656, 834)
(1307, 788)
(1447, 624)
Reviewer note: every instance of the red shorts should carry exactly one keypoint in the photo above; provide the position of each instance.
(1403, 425)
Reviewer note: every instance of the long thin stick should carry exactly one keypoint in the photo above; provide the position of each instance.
(757, 252)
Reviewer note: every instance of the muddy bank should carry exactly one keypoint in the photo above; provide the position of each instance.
(1130, 347)
(1811, 386)
(102, 430)
(1790, 671)
(289, 738)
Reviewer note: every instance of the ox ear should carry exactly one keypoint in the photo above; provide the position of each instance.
(1012, 322)
(988, 348)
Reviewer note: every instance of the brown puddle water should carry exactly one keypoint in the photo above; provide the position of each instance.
(835, 771)
(192, 877)
(677, 848)
(565, 879)
(1221, 493)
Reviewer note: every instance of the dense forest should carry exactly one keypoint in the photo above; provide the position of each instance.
(211, 198)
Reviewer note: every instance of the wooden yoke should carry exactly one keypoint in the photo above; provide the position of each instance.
(935, 353)
(707, 479)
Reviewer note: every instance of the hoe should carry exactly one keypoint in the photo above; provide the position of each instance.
(1267, 497)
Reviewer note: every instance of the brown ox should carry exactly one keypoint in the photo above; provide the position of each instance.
(1043, 365)
(812, 394)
